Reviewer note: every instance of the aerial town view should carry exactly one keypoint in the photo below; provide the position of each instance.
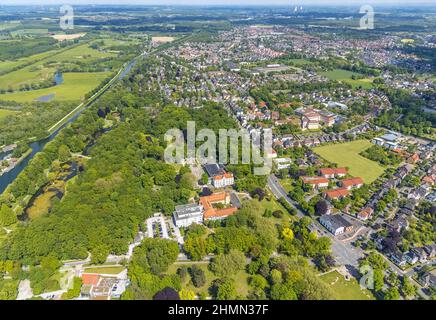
(217, 150)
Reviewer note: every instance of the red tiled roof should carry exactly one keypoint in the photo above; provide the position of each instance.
(90, 279)
(367, 212)
(324, 171)
(337, 193)
(314, 180)
(352, 182)
(210, 211)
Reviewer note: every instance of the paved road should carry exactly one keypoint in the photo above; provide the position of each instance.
(343, 252)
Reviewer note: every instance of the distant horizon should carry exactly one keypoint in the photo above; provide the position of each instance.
(205, 3)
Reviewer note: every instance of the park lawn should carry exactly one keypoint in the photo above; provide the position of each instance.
(345, 290)
(74, 87)
(240, 278)
(346, 76)
(4, 113)
(210, 277)
(105, 270)
(347, 155)
(272, 205)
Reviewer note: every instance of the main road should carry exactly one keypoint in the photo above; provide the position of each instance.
(343, 252)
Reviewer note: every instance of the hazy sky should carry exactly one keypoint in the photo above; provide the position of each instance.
(221, 2)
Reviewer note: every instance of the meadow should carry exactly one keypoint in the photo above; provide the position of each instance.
(345, 289)
(7, 65)
(346, 76)
(347, 155)
(74, 87)
(4, 113)
(46, 66)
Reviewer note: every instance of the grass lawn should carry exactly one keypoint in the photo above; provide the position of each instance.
(300, 62)
(240, 278)
(105, 270)
(5, 113)
(345, 76)
(346, 290)
(347, 155)
(74, 87)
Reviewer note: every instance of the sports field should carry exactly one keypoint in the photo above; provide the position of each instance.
(345, 76)
(347, 155)
(74, 87)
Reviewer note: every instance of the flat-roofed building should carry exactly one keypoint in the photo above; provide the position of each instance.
(187, 214)
(336, 224)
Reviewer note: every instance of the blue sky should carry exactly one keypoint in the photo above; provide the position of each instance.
(221, 2)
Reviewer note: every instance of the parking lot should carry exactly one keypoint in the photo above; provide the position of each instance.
(156, 227)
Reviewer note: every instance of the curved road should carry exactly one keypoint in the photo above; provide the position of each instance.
(344, 253)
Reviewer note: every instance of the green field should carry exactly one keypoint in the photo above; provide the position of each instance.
(345, 76)
(347, 155)
(105, 270)
(10, 64)
(5, 113)
(74, 87)
(300, 62)
(346, 290)
(45, 68)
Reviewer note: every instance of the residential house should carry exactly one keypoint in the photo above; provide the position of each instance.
(282, 163)
(420, 253)
(333, 172)
(399, 259)
(336, 194)
(315, 182)
(428, 279)
(352, 183)
(411, 258)
(430, 250)
(365, 214)
(399, 223)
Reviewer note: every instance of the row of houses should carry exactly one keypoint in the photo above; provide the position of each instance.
(415, 255)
